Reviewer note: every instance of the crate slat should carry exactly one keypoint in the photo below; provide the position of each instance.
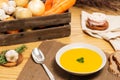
(35, 35)
(41, 21)
(48, 27)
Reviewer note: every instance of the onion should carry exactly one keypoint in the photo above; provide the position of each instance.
(22, 13)
(21, 3)
(37, 7)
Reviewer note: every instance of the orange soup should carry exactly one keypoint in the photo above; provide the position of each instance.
(80, 60)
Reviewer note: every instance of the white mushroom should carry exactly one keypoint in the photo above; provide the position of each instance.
(11, 56)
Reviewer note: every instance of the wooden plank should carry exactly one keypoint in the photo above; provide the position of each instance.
(33, 71)
(41, 21)
(35, 35)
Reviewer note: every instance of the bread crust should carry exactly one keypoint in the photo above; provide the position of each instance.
(97, 27)
(11, 64)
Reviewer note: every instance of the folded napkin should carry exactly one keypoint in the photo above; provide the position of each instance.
(112, 34)
(33, 71)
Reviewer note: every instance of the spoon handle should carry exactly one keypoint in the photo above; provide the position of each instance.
(48, 72)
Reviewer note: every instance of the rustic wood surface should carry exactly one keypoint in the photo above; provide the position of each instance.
(33, 71)
(48, 25)
(36, 35)
(110, 4)
(77, 35)
(41, 21)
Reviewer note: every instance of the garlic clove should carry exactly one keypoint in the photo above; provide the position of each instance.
(12, 3)
(2, 12)
(11, 56)
(10, 10)
(2, 1)
(3, 15)
(5, 6)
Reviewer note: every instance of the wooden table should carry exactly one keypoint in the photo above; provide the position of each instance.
(77, 35)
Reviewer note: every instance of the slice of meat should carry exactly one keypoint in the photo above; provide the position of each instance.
(113, 66)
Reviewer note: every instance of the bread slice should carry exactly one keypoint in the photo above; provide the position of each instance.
(11, 64)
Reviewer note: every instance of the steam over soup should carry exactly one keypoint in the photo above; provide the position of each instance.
(80, 60)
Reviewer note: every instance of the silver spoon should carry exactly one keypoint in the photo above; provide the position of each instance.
(39, 58)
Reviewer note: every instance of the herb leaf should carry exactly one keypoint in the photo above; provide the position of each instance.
(2, 54)
(21, 49)
(2, 57)
(80, 60)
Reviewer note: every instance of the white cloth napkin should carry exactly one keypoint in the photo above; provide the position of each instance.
(112, 34)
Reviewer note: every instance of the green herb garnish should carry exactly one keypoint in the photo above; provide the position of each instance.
(2, 57)
(80, 60)
(2, 54)
(21, 49)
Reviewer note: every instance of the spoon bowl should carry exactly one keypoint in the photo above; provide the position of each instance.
(38, 56)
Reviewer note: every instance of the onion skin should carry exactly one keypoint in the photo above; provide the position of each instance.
(21, 3)
(37, 7)
(23, 13)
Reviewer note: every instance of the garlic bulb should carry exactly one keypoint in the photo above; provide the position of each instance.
(9, 7)
(12, 3)
(5, 6)
(2, 12)
(3, 16)
(11, 56)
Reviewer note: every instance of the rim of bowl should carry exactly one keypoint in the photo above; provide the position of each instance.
(80, 45)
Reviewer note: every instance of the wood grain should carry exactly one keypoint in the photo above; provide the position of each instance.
(29, 23)
(48, 27)
(36, 35)
(77, 35)
(33, 71)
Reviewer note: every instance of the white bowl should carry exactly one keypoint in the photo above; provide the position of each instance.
(80, 45)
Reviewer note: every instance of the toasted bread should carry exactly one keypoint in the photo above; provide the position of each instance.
(11, 64)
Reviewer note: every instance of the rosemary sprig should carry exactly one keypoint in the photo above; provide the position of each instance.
(21, 49)
(2, 57)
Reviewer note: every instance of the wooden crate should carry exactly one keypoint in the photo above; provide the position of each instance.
(112, 5)
(48, 27)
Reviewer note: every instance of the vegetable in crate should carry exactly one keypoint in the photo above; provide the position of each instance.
(10, 58)
(60, 6)
(21, 3)
(7, 9)
(37, 7)
(2, 1)
(48, 4)
(22, 13)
